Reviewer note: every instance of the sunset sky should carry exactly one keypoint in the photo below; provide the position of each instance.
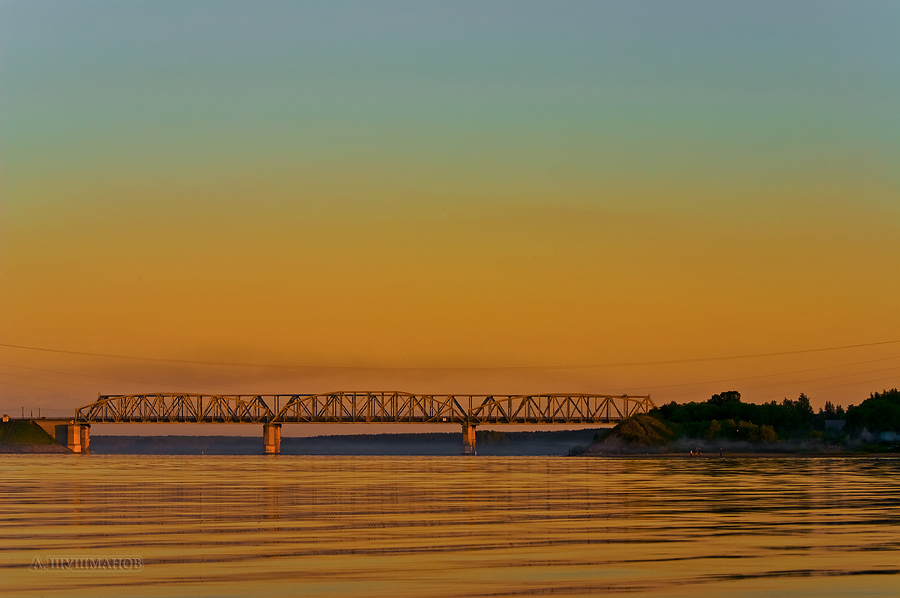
(449, 197)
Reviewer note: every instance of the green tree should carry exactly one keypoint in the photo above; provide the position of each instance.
(731, 397)
(803, 407)
(879, 413)
(714, 428)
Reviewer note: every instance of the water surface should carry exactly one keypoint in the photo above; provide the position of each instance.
(451, 526)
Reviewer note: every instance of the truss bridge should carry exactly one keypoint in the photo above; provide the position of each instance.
(275, 410)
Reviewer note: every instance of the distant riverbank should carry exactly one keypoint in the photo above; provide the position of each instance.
(488, 443)
(726, 425)
(747, 455)
(25, 436)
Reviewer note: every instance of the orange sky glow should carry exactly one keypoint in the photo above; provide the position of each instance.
(383, 208)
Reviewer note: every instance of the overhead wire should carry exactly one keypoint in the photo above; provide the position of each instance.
(759, 376)
(24, 367)
(451, 368)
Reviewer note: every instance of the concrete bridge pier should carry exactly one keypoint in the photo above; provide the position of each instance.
(468, 431)
(272, 438)
(85, 438)
(78, 438)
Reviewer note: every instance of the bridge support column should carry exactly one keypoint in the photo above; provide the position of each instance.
(73, 438)
(85, 438)
(272, 438)
(468, 431)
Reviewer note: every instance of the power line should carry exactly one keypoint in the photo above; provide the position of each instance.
(459, 369)
(23, 367)
(38, 386)
(822, 378)
(758, 376)
(853, 383)
(894, 378)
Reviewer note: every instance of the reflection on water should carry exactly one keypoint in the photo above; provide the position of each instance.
(423, 526)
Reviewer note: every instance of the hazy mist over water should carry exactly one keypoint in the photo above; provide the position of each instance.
(448, 526)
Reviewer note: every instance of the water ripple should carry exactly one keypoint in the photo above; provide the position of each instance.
(437, 526)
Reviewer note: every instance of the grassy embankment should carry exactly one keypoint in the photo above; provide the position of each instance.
(22, 435)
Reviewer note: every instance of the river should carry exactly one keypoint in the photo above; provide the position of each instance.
(229, 526)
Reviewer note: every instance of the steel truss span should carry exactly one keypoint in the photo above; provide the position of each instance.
(364, 406)
(176, 408)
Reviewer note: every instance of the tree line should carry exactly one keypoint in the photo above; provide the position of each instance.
(724, 415)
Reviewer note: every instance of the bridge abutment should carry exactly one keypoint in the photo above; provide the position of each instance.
(468, 431)
(272, 438)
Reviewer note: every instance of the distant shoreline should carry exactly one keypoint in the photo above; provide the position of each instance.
(33, 449)
(27, 438)
(45, 450)
(760, 455)
(490, 442)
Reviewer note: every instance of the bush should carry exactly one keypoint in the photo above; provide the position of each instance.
(643, 430)
(767, 434)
